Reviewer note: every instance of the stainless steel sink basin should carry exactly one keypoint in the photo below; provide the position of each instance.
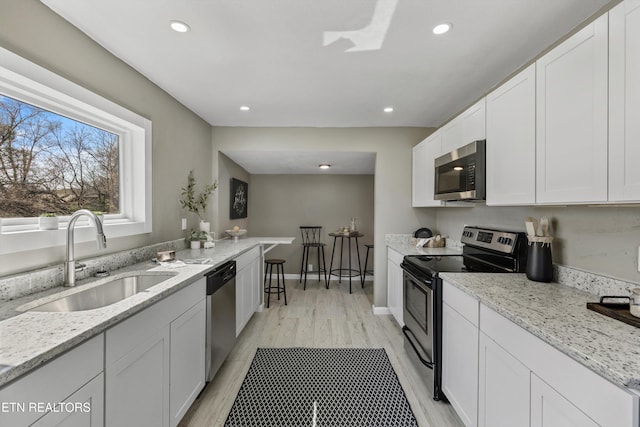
(106, 294)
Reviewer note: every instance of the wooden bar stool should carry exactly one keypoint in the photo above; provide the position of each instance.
(366, 260)
(279, 263)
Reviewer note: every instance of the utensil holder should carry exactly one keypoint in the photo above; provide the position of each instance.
(539, 261)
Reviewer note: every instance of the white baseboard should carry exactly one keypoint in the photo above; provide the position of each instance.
(380, 311)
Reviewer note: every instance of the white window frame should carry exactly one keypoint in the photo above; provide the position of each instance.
(28, 82)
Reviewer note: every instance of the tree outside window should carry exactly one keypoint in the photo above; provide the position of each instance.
(50, 163)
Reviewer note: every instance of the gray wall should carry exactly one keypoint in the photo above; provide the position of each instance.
(181, 140)
(229, 169)
(392, 187)
(602, 240)
(280, 204)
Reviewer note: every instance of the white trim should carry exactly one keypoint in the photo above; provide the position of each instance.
(381, 311)
(28, 82)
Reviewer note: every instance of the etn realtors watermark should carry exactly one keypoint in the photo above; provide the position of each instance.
(44, 407)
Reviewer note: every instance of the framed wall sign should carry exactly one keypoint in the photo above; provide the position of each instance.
(239, 197)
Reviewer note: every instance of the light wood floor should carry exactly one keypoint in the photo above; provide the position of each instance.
(317, 317)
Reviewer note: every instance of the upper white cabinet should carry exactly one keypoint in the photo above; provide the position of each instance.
(424, 155)
(571, 119)
(469, 126)
(511, 141)
(624, 101)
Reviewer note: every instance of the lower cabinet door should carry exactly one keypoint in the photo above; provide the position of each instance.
(503, 389)
(84, 408)
(550, 409)
(187, 374)
(460, 364)
(137, 385)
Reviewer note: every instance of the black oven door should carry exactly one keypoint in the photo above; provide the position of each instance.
(421, 313)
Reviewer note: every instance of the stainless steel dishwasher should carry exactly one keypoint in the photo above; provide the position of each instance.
(221, 316)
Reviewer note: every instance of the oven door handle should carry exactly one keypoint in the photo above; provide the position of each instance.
(406, 331)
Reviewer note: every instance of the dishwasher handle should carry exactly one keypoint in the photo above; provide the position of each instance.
(219, 276)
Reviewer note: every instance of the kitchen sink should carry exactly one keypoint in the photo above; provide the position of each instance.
(106, 294)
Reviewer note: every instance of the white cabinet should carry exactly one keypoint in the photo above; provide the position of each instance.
(571, 119)
(73, 377)
(423, 173)
(624, 101)
(89, 405)
(503, 387)
(467, 127)
(248, 287)
(460, 353)
(187, 360)
(563, 392)
(155, 361)
(395, 291)
(511, 141)
(550, 409)
(137, 384)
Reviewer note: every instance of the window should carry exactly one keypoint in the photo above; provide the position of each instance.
(64, 148)
(52, 164)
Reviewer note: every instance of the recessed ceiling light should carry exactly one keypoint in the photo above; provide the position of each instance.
(244, 108)
(388, 109)
(458, 168)
(179, 26)
(324, 165)
(442, 28)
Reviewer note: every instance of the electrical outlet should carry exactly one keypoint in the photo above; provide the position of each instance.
(310, 267)
(184, 223)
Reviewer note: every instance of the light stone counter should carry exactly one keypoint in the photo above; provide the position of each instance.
(400, 243)
(558, 315)
(29, 339)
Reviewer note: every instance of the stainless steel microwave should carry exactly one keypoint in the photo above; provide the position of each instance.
(460, 174)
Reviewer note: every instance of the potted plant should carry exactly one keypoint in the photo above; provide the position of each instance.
(197, 238)
(48, 221)
(197, 203)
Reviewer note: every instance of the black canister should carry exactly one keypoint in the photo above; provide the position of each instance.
(539, 262)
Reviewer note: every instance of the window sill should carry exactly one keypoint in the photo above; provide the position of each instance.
(16, 239)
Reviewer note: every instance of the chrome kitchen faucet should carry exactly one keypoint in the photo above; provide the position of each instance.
(70, 263)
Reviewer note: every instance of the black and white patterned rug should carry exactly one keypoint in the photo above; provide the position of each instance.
(321, 387)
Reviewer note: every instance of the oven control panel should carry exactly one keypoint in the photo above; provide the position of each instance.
(501, 241)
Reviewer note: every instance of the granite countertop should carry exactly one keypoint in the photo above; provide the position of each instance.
(558, 315)
(400, 243)
(29, 339)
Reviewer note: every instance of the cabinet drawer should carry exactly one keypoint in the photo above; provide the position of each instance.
(245, 258)
(53, 382)
(464, 304)
(603, 401)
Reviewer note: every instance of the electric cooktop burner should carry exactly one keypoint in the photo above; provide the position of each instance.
(436, 264)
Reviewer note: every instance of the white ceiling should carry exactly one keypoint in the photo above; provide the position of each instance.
(326, 62)
(305, 162)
